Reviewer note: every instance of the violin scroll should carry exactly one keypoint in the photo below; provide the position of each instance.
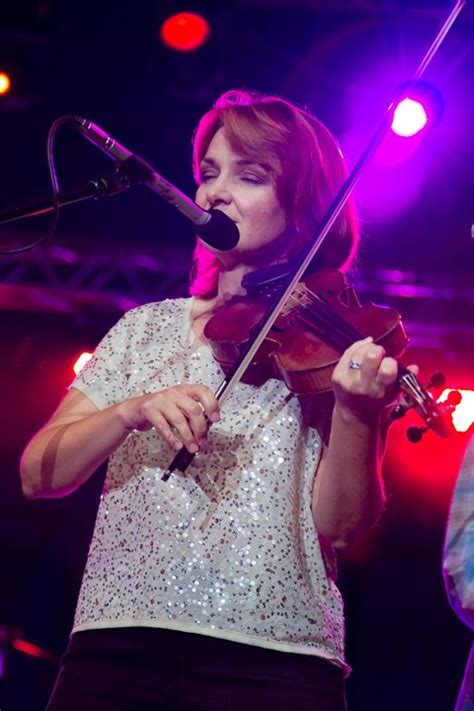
(437, 415)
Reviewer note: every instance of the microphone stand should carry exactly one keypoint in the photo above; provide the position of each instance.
(214, 227)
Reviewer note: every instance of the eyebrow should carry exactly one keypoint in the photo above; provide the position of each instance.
(239, 162)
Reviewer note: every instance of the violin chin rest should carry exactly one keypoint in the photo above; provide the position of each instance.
(270, 276)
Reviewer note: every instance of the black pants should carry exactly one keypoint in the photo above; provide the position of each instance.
(138, 669)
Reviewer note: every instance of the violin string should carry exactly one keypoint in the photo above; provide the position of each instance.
(330, 313)
(342, 332)
(334, 327)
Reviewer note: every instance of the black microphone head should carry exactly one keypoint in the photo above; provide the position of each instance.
(219, 232)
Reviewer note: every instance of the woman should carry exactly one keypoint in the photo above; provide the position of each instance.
(217, 588)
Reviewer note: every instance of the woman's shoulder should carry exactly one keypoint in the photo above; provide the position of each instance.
(147, 321)
(157, 311)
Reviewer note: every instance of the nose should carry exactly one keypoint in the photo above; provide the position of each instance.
(218, 193)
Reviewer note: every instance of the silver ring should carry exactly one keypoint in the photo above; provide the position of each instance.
(354, 365)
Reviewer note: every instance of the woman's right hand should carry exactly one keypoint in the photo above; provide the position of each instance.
(79, 436)
(181, 414)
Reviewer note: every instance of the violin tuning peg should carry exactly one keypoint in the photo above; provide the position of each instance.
(398, 412)
(415, 434)
(437, 380)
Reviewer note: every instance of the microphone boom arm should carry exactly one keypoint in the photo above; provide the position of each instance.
(102, 187)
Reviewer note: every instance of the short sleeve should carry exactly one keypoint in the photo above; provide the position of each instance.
(105, 377)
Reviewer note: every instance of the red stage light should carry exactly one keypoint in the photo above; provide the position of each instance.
(5, 83)
(185, 31)
(33, 650)
(81, 361)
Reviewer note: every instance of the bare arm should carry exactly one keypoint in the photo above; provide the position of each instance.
(70, 447)
(79, 437)
(348, 496)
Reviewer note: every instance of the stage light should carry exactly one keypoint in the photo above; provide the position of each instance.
(81, 361)
(421, 105)
(32, 650)
(409, 118)
(463, 415)
(185, 31)
(5, 83)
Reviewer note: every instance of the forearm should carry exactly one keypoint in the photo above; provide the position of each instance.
(63, 456)
(349, 495)
(79, 437)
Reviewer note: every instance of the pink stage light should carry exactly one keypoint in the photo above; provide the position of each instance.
(81, 361)
(409, 118)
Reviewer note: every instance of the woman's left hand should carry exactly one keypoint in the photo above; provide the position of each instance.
(365, 379)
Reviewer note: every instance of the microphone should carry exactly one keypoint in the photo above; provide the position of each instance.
(212, 226)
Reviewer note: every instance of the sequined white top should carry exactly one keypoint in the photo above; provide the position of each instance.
(229, 549)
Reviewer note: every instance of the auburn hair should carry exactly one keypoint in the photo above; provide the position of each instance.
(305, 163)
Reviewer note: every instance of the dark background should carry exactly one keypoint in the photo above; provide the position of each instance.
(344, 61)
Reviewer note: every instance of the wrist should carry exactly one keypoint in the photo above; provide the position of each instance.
(123, 415)
(356, 418)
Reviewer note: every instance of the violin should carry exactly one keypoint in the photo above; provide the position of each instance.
(320, 319)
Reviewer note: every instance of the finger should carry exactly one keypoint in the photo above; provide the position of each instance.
(159, 412)
(372, 360)
(206, 398)
(162, 426)
(364, 360)
(353, 357)
(162, 407)
(355, 350)
(385, 382)
(387, 371)
(196, 416)
(178, 420)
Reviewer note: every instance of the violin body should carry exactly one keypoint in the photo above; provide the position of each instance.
(320, 319)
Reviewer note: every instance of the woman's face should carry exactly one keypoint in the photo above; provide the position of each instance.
(245, 192)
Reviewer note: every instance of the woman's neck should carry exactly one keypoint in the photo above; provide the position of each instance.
(229, 285)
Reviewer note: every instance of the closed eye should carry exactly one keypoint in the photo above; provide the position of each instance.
(254, 178)
(206, 176)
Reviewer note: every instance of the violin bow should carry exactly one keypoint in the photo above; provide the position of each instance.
(184, 458)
